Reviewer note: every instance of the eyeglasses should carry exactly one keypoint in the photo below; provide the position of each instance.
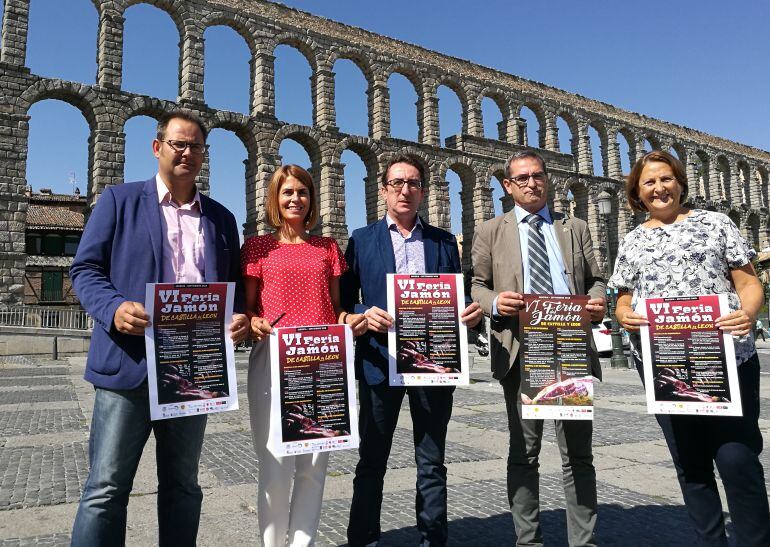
(522, 180)
(398, 184)
(180, 146)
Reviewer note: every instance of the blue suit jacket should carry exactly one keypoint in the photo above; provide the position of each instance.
(370, 256)
(121, 251)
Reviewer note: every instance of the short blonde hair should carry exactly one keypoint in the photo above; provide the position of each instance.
(273, 211)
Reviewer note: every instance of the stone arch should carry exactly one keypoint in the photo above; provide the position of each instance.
(239, 124)
(145, 106)
(601, 131)
(540, 115)
(743, 181)
(85, 101)
(578, 206)
(176, 10)
(498, 97)
(495, 171)
(308, 137)
(723, 177)
(471, 192)
(368, 151)
(407, 72)
(702, 168)
(462, 95)
(236, 22)
(304, 44)
(571, 121)
(80, 96)
(628, 136)
(363, 99)
(762, 181)
(735, 216)
(653, 140)
(681, 151)
(356, 57)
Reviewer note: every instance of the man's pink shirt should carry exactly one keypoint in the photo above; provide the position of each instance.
(183, 260)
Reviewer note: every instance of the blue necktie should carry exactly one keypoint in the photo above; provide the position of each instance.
(539, 268)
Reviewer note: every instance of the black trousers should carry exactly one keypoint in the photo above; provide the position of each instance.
(734, 444)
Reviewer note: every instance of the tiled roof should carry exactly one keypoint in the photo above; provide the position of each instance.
(41, 216)
(57, 198)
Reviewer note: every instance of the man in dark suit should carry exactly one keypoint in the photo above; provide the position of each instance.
(160, 230)
(399, 243)
(513, 254)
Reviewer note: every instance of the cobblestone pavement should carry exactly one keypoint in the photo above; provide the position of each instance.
(45, 411)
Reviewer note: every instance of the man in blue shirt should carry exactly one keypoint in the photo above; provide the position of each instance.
(529, 250)
(399, 243)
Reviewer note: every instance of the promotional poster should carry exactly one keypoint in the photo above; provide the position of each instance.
(190, 355)
(313, 390)
(556, 381)
(689, 364)
(428, 344)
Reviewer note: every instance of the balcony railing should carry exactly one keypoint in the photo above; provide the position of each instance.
(46, 318)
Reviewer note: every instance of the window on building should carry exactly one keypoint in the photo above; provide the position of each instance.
(34, 244)
(53, 245)
(51, 290)
(71, 245)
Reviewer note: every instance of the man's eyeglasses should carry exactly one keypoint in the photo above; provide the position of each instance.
(523, 180)
(398, 184)
(180, 146)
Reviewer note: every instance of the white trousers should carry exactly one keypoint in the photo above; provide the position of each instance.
(285, 512)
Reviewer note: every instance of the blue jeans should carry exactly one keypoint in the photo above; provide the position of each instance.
(120, 428)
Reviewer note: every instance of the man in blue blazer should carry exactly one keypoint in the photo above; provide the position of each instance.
(160, 230)
(399, 243)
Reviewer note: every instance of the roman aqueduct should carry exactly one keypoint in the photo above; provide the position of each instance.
(724, 175)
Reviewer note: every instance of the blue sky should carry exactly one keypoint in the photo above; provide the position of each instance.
(703, 64)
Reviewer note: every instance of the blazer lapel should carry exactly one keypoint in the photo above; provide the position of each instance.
(210, 236)
(386, 247)
(151, 210)
(564, 237)
(512, 250)
(430, 248)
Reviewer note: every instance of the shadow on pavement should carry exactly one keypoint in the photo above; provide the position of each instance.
(645, 525)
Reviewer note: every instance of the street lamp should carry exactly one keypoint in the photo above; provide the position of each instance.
(618, 359)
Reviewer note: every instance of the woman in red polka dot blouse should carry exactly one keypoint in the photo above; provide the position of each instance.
(293, 273)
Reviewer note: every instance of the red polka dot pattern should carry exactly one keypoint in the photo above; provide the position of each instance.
(294, 278)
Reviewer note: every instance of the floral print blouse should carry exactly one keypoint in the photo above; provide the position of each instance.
(690, 257)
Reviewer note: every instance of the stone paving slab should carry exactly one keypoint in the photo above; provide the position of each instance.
(230, 456)
(479, 516)
(34, 422)
(17, 372)
(36, 396)
(34, 381)
(610, 426)
(465, 397)
(49, 540)
(44, 475)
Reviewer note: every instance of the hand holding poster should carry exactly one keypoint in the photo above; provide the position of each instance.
(190, 357)
(428, 344)
(313, 390)
(556, 381)
(689, 363)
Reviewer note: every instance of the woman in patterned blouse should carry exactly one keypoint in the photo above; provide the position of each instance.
(292, 276)
(680, 251)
